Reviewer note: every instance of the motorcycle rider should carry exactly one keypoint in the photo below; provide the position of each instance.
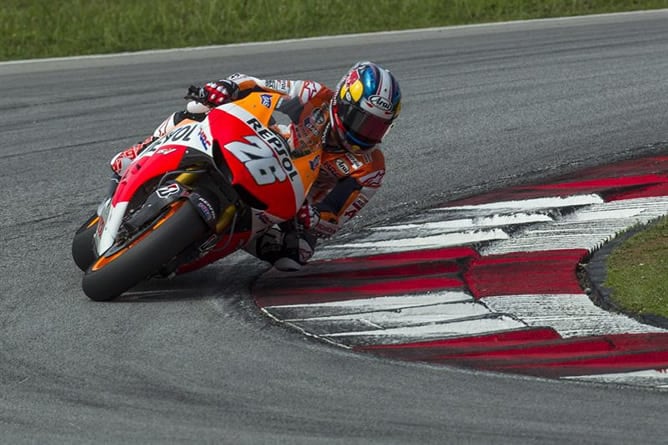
(352, 121)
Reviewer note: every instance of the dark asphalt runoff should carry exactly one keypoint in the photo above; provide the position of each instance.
(193, 360)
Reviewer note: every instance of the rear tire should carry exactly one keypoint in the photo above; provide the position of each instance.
(108, 277)
(83, 248)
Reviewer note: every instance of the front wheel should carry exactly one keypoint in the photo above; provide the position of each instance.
(112, 274)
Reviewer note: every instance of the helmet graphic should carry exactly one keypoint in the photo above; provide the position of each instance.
(366, 102)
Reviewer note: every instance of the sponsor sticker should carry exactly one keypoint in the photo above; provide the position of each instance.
(318, 116)
(373, 179)
(313, 163)
(353, 161)
(165, 151)
(266, 100)
(206, 143)
(380, 102)
(206, 209)
(341, 165)
(309, 89)
(277, 85)
(168, 190)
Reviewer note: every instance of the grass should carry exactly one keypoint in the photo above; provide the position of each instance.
(52, 28)
(637, 272)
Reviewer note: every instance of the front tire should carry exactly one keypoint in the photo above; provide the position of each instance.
(83, 248)
(111, 275)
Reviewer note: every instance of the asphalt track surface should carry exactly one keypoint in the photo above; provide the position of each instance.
(193, 360)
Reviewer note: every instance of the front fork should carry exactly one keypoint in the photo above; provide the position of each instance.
(218, 218)
(225, 215)
(188, 179)
(111, 189)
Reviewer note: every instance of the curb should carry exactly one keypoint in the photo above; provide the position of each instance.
(490, 282)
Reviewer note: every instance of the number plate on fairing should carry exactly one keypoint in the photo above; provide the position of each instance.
(194, 135)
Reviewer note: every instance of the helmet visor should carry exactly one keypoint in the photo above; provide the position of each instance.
(362, 128)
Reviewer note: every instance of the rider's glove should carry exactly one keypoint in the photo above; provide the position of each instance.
(213, 94)
(308, 216)
(120, 163)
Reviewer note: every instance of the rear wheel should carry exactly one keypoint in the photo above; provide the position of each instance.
(83, 249)
(112, 274)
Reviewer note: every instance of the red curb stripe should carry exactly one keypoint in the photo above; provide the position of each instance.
(655, 340)
(549, 350)
(424, 350)
(512, 194)
(362, 271)
(273, 295)
(364, 277)
(538, 351)
(404, 263)
(644, 171)
(543, 272)
(651, 191)
(519, 335)
(602, 184)
(618, 187)
(609, 364)
(633, 167)
(569, 357)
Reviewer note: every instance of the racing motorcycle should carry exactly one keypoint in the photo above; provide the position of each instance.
(194, 196)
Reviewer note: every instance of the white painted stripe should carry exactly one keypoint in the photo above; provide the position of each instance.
(597, 214)
(367, 304)
(591, 223)
(657, 378)
(458, 225)
(642, 209)
(430, 331)
(529, 204)
(480, 224)
(408, 316)
(586, 228)
(555, 237)
(404, 244)
(382, 314)
(571, 315)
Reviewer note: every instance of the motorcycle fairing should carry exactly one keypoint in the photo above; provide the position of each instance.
(170, 149)
(260, 160)
(257, 159)
(162, 156)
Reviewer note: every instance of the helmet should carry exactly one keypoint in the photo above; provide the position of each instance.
(366, 102)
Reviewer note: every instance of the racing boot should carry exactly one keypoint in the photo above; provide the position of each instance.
(286, 251)
(295, 252)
